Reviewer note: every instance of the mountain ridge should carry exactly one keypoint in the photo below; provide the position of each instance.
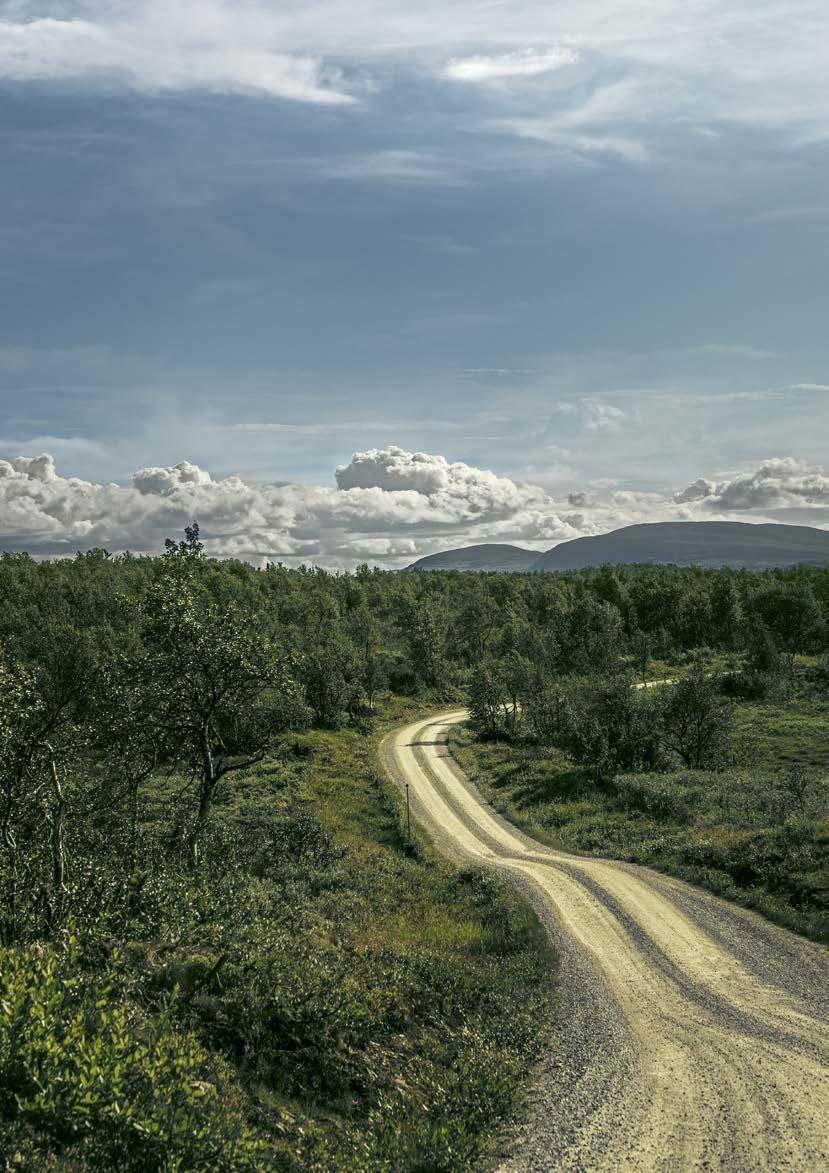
(738, 544)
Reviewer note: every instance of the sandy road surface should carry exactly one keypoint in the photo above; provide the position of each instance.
(693, 1034)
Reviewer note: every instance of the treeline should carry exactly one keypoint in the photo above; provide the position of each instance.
(170, 901)
(115, 671)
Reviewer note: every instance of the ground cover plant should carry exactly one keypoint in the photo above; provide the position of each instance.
(318, 995)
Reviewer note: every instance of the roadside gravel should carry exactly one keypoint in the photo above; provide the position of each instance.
(691, 1034)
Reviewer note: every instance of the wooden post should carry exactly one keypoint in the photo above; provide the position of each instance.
(408, 818)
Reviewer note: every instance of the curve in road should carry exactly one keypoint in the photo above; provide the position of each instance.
(692, 1034)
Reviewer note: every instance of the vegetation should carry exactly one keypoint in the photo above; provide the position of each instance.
(217, 947)
(755, 828)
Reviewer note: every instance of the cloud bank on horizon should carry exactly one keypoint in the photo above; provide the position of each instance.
(584, 240)
(388, 508)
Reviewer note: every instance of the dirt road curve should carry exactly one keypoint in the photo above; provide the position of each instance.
(693, 1035)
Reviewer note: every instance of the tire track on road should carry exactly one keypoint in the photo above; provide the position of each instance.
(673, 1054)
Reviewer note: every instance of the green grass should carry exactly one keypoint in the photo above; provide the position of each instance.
(740, 832)
(787, 733)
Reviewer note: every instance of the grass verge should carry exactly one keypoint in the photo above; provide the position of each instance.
(757, 834)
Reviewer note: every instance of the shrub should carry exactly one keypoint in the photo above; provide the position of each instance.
(772, 858)
(108, 1086)
(615, 727)
(697, 721)
(663, 796)
(750, 685)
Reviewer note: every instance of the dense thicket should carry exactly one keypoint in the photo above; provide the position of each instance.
(139, 696)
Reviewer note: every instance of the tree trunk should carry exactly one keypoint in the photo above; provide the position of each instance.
(8, 926)
(208, 785)
(58, 842)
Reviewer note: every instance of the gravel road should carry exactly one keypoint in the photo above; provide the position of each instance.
(692, 1034)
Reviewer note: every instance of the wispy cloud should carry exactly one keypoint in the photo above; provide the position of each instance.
(157, 47)
(593, 415)
(398, 166)
(732, 349)
(522, 63)
(711, 65)
(591, 84)
(585, 147)
(324, 428)
(499, 372)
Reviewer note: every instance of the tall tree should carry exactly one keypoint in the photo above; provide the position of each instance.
(215, 691)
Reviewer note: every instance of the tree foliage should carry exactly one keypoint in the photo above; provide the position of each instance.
(138, 695)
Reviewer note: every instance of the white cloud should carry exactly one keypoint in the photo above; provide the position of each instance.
(166, 481)
(389, 506)
(35, 468)
(665, 65)
(582, 147)
(698, 491)
(777, 483)
(592, 415)
(401, 166)
(162, 47)
(458, 490)
(523, 63)
(608, 120)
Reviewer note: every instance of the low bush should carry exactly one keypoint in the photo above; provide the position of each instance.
(664, 796)
(104, 1086)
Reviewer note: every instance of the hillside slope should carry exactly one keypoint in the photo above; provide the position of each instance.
(695, 543)
(680, 543)
(489, 556)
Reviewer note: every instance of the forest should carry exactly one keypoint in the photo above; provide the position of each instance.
(220, 946)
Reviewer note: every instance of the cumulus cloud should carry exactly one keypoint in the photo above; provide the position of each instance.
(389, 506)
(34, 468)
(524, 63)
(458, 489)
(698, 491)
(165, 481)
(777, 483)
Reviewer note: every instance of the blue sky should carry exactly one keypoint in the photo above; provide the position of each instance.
(584, 246)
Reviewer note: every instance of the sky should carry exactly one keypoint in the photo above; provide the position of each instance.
(358, 281)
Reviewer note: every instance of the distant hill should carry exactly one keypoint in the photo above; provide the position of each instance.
(490, 556)
(695, 543)
(681, 543)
